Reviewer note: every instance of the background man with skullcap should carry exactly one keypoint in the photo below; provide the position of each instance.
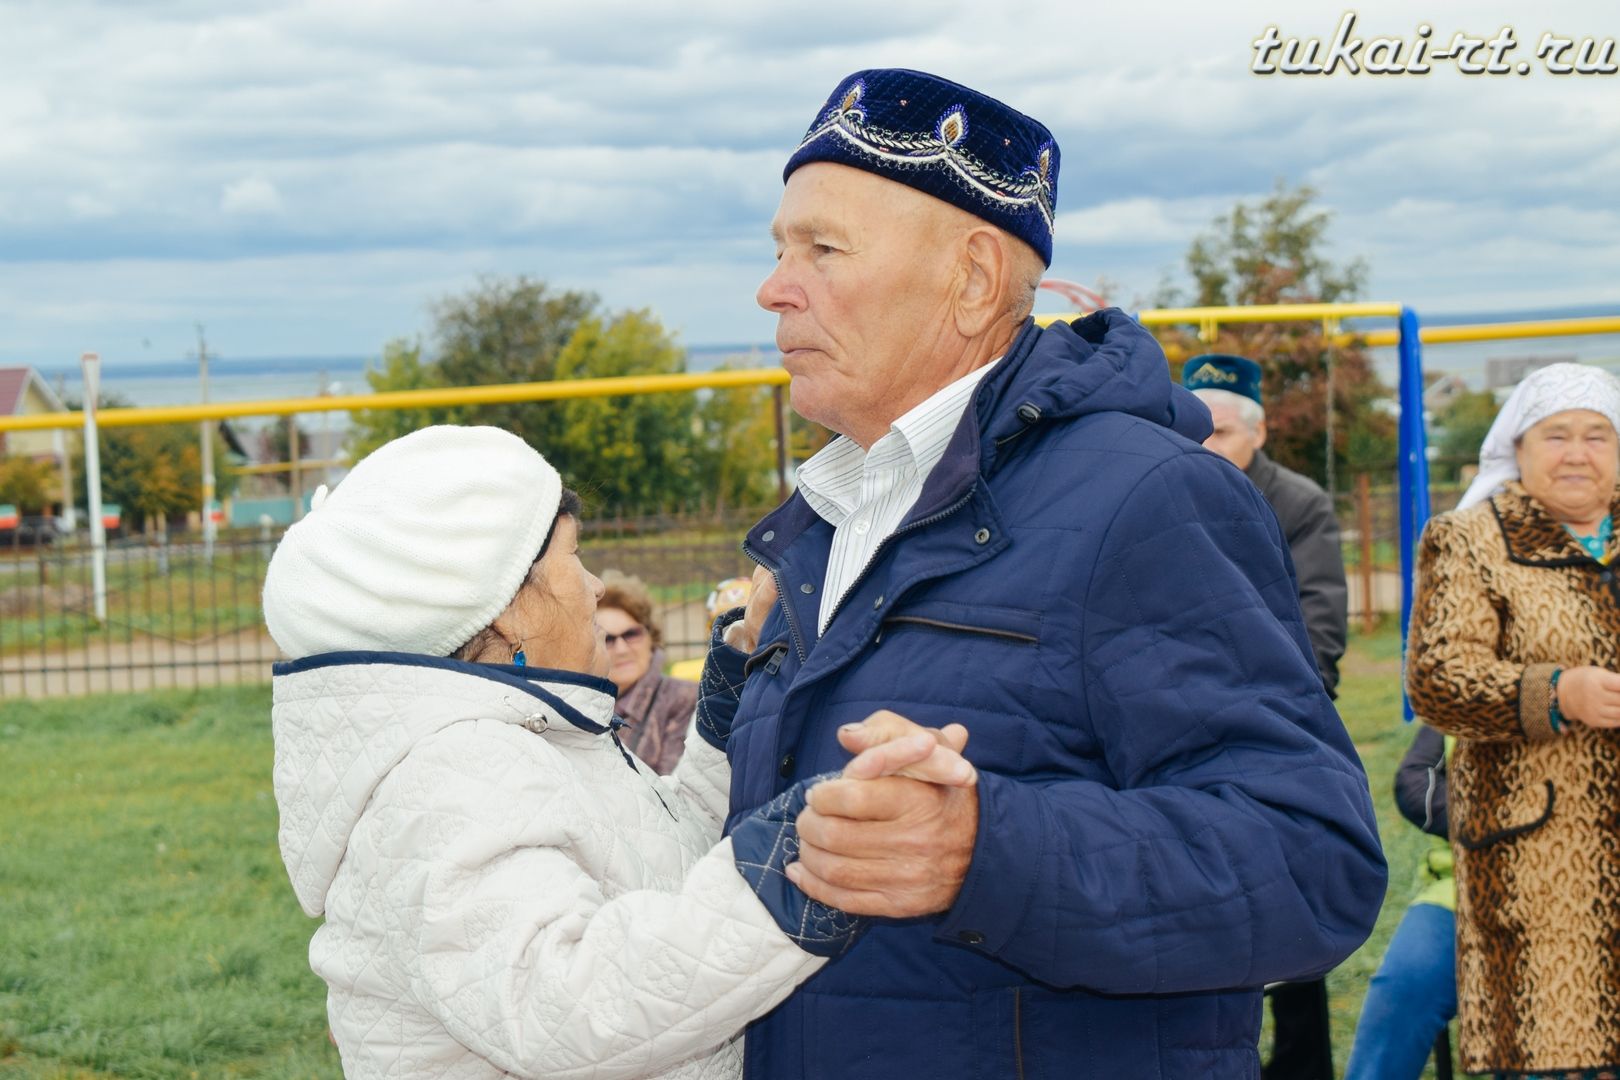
(1018, 531)
(1302, 1037)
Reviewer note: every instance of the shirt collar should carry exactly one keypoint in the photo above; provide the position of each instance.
(831, 480)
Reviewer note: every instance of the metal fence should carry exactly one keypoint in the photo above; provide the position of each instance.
(178, 618)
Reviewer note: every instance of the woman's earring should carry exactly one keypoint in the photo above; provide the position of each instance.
(518, 659)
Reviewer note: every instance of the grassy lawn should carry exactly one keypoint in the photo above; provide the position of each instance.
(147, 929)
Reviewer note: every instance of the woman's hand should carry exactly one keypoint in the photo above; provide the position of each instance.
(1590, 695)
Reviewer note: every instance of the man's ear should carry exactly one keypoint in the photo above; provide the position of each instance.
(1260, 433)
(981, 296)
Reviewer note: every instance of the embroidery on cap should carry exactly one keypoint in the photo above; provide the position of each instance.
(847, 121)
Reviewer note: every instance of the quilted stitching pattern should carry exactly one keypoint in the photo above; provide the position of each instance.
(765, 843)
(501, 902)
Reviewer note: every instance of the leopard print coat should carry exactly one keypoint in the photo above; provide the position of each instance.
(1506, 597)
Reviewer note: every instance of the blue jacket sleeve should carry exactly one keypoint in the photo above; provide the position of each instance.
(1235, 844)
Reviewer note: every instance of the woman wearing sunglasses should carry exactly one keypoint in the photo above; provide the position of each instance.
(656, 708)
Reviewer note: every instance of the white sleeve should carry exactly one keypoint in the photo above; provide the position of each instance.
(525, 960)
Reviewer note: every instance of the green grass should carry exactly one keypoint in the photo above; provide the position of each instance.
(147, 929)
(146, 925)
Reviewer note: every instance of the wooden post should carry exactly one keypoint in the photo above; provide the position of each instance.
(1369, 618)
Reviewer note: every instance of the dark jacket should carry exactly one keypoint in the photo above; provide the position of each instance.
(1420, 783)
(1170, 812)
(1306, 515)
(657, 710)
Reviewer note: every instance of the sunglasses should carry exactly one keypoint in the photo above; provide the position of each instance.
(629, 637)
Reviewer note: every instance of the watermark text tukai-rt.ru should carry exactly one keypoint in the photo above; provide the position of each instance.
(1503, 53)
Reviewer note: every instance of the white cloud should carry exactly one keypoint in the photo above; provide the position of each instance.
(245, 165)
(253, 195)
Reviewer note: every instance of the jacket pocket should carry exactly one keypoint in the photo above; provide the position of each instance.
(1473, 838)
(1014, 625)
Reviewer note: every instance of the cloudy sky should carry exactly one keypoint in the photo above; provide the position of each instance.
(304, 178)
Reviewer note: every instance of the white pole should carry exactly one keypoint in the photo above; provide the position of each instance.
(207, 456)
(91, 364)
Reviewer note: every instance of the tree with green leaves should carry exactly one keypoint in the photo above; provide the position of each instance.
(1273, 251)
(155, 473)
(1463, 426)
(29, 484)
(629, 454)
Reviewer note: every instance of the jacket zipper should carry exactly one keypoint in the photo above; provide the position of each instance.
(781, 597)
(881, 548)
(1018, 1031)
(963, 628)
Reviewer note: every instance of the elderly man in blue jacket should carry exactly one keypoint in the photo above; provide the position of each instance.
(1018, 531)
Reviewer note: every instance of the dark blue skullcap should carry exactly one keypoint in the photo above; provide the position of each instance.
(1219, 371)
(943, 139)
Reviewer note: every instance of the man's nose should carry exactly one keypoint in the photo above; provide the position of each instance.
(778, 292)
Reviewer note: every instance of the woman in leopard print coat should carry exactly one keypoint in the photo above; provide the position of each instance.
(1515, 641)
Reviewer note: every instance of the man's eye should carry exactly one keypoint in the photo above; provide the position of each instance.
(823, 249)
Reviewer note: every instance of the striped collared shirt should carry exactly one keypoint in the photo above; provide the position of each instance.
(865, 494)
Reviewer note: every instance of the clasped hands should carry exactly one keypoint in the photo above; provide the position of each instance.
(893, 835)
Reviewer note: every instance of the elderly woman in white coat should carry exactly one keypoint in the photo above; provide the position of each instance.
(506, 890)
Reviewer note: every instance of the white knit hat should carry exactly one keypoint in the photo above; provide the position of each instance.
(420, 547)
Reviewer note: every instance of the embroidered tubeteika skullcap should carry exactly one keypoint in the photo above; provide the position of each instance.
(420, 547)
(944, 139)
(1221, 371)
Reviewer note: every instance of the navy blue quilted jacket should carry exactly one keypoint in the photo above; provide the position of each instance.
(1171, 813)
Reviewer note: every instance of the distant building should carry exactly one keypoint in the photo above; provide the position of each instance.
(1439, 395)
(1502, 372)
(24, 393)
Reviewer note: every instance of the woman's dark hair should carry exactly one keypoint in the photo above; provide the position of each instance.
(569, 504)
(487, 638)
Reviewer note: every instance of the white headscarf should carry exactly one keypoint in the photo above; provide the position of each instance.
(1553, 389)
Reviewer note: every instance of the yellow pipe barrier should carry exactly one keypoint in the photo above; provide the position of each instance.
(303, 465)
(502, 394)
(1208, 318)
(1440, 335)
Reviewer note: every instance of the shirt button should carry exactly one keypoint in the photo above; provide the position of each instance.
(970, 937)
(807, 588)
(982, 536)
(786, 768)
(861, 527)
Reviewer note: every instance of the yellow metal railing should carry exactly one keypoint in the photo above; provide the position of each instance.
(505, 393)
(1207, 319)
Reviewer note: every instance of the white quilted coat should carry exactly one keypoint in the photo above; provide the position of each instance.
(504, 893)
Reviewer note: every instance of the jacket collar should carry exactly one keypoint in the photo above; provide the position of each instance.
(1104, 362)
(583, 701)
(1532, 537)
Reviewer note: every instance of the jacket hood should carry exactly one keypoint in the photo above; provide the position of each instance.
(343, 721)
(1103, 362)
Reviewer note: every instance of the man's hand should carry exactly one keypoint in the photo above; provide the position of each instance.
(891, 845)
(1590, 695)
(744, 636)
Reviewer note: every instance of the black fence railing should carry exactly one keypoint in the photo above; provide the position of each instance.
(180, 616)
(177, 617)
